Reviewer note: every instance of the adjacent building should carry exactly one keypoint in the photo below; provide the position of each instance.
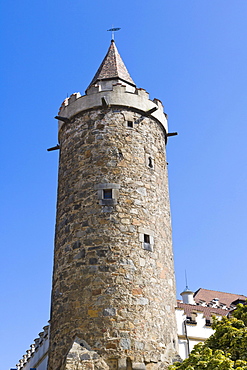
(195, 314)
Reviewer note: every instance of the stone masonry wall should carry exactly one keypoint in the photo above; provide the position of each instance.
(113, 281)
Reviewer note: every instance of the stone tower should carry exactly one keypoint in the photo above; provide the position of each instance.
(113, 295)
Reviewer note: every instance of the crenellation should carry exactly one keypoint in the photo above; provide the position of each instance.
(73, 97)
(46, 330)
(119, 88)
(118, 95)
(21, 363)
(36, 341)
(32, 348)
(158, 103)
(41, 336)
(142, 93)
(93, 90)
(65, 102)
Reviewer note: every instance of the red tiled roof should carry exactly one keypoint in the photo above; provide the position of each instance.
(207, 311)
(225, 298)
(112, 67)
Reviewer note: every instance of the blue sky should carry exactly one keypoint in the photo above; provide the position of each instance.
(190, 54)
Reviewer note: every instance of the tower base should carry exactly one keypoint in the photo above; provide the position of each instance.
(81, 357)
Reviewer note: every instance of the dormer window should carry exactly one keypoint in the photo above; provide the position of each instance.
(223, 306)
(214, 303)
(202, 303)
(191, 319)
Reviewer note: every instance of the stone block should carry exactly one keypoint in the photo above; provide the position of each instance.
(142, 301)
(84, 357)
(110, 311)
(93, 313)
(122, 364)
(152, 366)
(138, 366)
(125, 343)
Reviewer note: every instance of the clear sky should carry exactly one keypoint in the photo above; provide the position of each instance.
(190, 54)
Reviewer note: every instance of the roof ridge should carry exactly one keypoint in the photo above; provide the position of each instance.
(218, 291)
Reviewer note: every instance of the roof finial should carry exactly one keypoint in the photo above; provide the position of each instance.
(186, 280)
(112, 32)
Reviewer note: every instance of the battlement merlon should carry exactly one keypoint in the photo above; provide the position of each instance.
(118, 96)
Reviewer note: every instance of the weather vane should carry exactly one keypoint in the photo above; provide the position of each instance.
(112, 31)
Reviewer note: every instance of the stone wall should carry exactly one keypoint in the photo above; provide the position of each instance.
(113, 282)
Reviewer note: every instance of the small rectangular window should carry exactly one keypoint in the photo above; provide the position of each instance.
(146, 238)
(107, 193)
(147, 243)
(130, 124)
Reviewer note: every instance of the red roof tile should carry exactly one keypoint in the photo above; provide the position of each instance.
(225, 298)
(207, 311)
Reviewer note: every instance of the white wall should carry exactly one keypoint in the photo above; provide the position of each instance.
(195, 333)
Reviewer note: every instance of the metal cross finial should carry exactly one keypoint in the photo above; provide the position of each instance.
(112, 32)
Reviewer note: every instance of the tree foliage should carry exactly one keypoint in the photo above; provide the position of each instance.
(226, 349)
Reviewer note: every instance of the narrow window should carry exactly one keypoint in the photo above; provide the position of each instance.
(147, 238)
(149, 161)
(147, 243)
(130, 124)
(107, 193)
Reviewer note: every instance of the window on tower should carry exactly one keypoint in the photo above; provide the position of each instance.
(107, 193)
(146, 237)
(150, 161)
(146, 243)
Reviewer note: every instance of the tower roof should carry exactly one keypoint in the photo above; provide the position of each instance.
(112, 68)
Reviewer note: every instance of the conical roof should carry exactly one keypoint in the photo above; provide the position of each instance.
(112, 68)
